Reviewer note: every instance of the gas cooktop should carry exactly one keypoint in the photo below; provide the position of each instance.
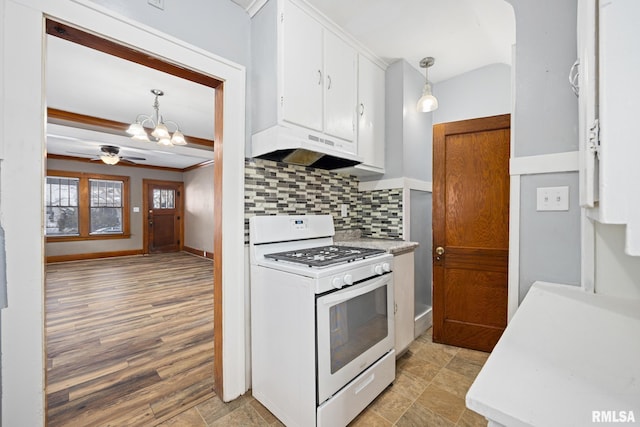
(324, 256)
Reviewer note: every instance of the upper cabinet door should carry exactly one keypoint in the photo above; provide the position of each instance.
(370, 110)
(340, 87)
(302, 77)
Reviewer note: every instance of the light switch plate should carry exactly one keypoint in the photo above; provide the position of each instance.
(136, 209)
(552, 199)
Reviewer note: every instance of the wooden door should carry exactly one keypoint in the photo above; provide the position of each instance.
(470, 231)
(163, 216)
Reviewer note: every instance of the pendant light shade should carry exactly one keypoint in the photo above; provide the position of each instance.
(427, 102)
(160, 132)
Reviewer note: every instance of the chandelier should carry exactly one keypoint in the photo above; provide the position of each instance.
(160, 131)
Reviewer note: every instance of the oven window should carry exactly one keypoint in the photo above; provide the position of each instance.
(357, 325)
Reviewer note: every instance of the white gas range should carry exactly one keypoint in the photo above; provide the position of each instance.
(321, 321)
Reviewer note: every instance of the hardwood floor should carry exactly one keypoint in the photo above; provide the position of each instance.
(129, 340)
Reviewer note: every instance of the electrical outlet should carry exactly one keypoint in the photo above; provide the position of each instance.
(344, 210)
(552, 199)
(157, 3)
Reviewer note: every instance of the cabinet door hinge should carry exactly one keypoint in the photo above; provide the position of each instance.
(593, 145)
(282, 101)
(282, 17)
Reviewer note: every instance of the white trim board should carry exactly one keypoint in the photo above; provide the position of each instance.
(545, 163)
(22, 106)
(393, 183)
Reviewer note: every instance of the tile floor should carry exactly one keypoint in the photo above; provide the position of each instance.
(431, 382)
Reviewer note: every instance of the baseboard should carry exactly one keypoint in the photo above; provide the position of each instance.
(198, 252)
(94, 255)
(422, 322)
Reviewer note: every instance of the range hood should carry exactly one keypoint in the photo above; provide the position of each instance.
(305, 148)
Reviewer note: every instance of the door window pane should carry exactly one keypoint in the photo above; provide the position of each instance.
(164, 198)
(357, 325)
(61, 206)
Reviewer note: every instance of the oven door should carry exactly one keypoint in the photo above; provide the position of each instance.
(354, 329)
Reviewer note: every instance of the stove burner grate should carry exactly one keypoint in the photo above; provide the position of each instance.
(324, 256)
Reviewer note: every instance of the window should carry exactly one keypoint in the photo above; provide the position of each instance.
(164, 198)
(61, 206)
(80, 206)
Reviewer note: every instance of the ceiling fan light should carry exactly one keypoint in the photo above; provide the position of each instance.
(165, 141)
(136, 129)
(178, 138)
(161, 131)
(110, 159)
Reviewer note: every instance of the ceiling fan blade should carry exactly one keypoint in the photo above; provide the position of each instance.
(132, 158)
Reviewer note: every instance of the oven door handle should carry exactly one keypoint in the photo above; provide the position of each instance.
(349, 293)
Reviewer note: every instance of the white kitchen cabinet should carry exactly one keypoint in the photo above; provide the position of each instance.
(315, 71)
(340, 87)
(608, 65)
(404, 277)
(302, 68)
(371, 110)
(371, 119)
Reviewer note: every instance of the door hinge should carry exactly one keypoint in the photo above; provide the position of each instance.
(281, 17)
(593, 144)
(282, 101)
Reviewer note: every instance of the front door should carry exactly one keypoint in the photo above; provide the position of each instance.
(470, 231)
(163, 216)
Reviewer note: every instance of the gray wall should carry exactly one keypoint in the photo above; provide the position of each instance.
(135, 183)
(546, 117)
(408, 133)
(482, 92)
(421, 232)
(198, 212)
(550, 241)
(546, 121)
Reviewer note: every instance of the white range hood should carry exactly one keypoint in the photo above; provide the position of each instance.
(303, 147)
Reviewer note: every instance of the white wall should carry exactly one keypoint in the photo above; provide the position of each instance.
(616, 273)
(482, 92)
(198, 214)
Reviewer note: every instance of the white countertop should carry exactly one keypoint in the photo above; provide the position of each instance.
(565, 354)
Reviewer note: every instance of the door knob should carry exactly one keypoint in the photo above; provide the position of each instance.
(439, 250)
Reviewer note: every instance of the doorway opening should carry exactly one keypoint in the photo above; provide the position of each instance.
(81, 37)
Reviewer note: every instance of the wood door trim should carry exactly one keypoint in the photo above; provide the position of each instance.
(101, 44)
(146, 183)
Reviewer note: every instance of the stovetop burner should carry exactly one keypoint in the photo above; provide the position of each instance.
(325, 255)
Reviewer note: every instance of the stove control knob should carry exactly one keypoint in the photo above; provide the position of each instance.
(337, 282)
(386, 267)
(348, 279)
(378, 269)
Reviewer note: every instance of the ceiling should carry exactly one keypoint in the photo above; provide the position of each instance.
(462, 35)
(85, 81)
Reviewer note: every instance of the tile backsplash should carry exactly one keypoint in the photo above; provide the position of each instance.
(273, 188)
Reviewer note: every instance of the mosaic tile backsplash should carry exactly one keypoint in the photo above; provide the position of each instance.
(273, 188)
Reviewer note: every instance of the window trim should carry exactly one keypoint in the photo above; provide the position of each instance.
(84, 206)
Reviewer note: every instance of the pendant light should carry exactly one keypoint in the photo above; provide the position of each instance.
(427, 102)
(160, 131)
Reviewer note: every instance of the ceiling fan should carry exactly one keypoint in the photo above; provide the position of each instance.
(109, 154)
